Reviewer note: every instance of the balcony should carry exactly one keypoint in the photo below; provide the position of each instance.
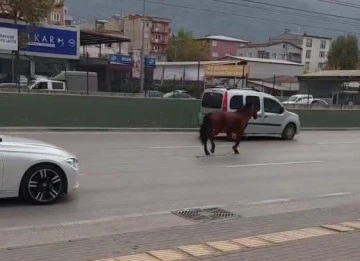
(159, 41)
(59, 3)
(160, 30)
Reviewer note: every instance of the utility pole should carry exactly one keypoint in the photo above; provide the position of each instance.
(142, 55)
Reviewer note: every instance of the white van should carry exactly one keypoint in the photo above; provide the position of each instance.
(273, 119)
(47, 85)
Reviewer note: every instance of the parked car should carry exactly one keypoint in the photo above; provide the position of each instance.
(299, 99)
(273, 119)
(47, 85)
(36, 171)
(178, 94)
(319, 102)
(155, 94)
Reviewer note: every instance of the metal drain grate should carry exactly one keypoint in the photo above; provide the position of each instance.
(198, 214)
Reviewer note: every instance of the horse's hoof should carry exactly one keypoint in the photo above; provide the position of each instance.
(207, 153)
(236, 152)
(213, 151)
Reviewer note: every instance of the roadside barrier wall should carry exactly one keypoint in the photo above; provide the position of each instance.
(43, 110)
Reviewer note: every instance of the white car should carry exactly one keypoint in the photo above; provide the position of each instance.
(273, 119)
(299, 99)
(36, 171)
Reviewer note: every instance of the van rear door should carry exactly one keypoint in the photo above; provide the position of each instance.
(212, 100)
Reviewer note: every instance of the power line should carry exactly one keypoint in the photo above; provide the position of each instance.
(288, 8)
(246, 16)
(331, 20)
(341, 3)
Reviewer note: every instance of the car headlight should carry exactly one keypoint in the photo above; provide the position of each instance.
(73, 163)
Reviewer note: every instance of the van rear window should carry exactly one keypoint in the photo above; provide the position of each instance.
(212, 100)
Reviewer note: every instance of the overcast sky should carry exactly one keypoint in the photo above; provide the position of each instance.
(236, 25)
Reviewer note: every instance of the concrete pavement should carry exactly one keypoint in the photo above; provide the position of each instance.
(131, 181)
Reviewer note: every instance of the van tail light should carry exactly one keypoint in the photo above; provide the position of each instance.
(225, 102)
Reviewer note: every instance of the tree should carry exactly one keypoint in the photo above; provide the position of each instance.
(183, 47)
(33, 12)
(344, 53)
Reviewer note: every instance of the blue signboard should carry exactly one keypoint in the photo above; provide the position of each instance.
(49, 42)
(150, 62)
(121, 59)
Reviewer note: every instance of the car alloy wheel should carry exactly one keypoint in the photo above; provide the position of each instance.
(43, 185)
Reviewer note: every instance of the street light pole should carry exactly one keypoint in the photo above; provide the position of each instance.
(142, 55)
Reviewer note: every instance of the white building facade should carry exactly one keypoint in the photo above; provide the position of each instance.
(315, 52)
(277, 51)
(315, 48)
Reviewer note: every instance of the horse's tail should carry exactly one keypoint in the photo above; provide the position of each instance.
(205, 129)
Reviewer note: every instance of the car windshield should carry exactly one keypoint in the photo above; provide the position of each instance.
(294, 98)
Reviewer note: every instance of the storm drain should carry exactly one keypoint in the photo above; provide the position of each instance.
(203, 214)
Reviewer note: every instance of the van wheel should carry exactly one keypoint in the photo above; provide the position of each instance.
(289, 132)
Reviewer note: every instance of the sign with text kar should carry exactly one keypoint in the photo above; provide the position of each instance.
(49, 42)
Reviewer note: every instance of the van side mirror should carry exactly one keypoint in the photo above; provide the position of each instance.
(282, 109)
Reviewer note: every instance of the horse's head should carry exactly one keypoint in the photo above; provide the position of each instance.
(252, 109)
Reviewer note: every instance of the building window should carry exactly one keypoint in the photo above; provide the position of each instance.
(322, 54)
(215, 54)
(159, 58)
(307, 65)
(249, 54)
(214, 43)
(308, 42)
(308, 54)
(283, 57)
(55, 16)
(156, 47)
(273, 56)
(321, 66)
(323, 44)
(109, 45)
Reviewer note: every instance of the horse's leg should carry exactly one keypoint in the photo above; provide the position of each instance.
(212, 143)
(237, 142)
(205, 147)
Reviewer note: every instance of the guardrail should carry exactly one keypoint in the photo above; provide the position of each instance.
(47, 110)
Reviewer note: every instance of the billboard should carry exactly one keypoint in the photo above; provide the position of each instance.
(49, 41)
(226, 70)
(9, 39)
(137, 64)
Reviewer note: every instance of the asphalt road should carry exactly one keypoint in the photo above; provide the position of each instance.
(131, 182)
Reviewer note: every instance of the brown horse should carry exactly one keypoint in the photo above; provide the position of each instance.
(228, 122)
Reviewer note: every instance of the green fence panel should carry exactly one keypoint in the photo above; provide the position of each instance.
(81, 111)
(34, 110)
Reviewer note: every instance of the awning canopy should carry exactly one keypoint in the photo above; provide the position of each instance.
(91, 37)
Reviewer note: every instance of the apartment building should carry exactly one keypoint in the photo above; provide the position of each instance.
(59, 15)
(277, 51)
(220, 46)
(315, 48)
(156, 35)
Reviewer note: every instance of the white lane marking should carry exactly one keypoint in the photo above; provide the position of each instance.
(273, 164)
(101, 220)
(334, 195)
(270, 201)
(337, 142)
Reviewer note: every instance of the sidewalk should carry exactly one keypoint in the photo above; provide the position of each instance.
(335, 246)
